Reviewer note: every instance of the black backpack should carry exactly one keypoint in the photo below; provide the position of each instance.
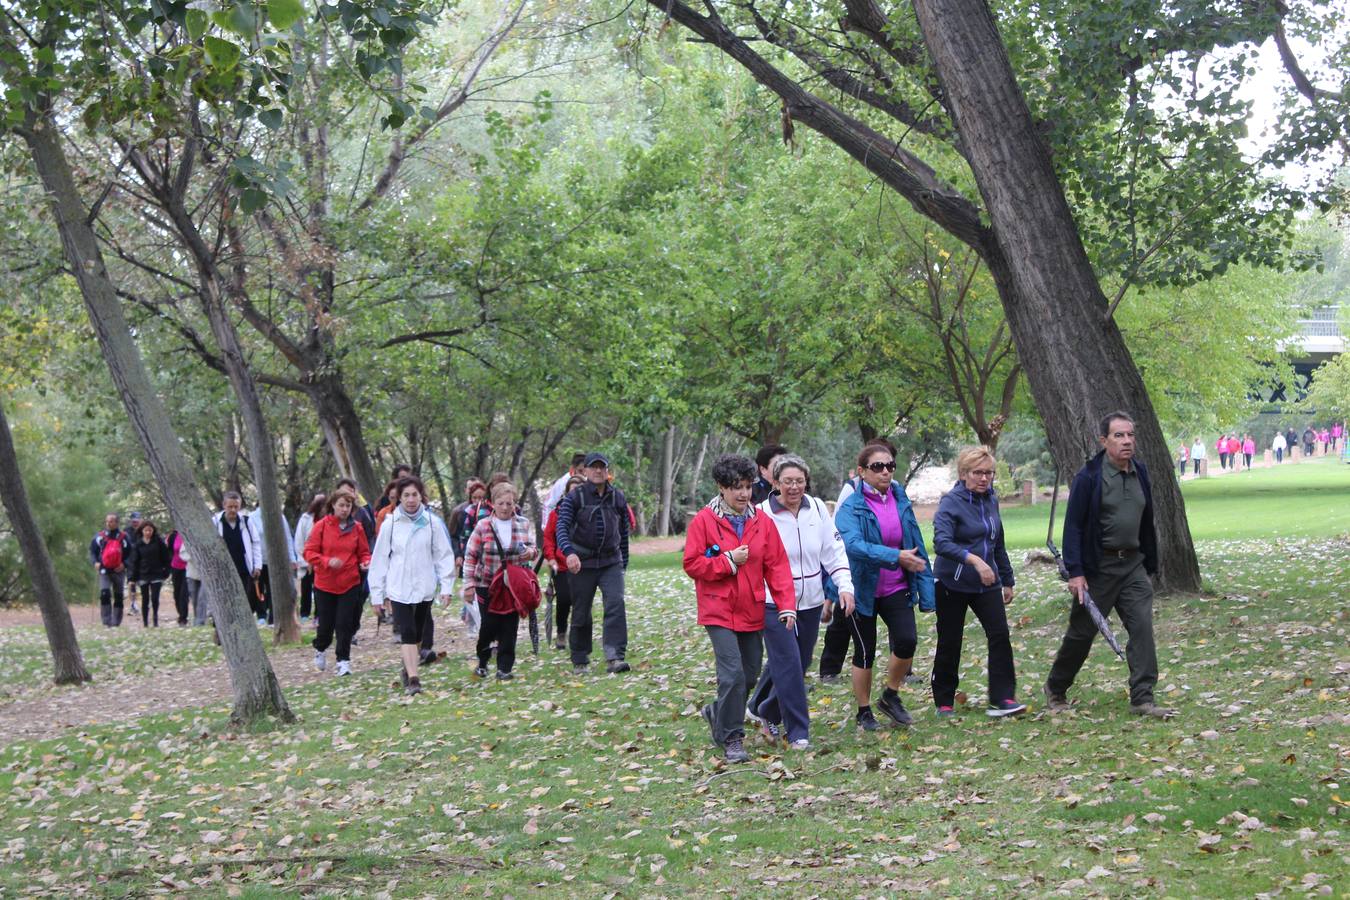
(591, 524)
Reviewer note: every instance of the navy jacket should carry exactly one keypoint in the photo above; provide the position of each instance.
(1082, 521)
(967, 522)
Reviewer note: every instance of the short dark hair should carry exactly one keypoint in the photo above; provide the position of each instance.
(767, 453)
(346, 482)
(734, 469)
(231, 495)
(876, 445)
(411, 481)
(401, 467)
(495, 479)
(391, 485)
(577, 459)
(1104, 428)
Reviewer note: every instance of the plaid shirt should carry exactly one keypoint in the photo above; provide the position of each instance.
(482, 558)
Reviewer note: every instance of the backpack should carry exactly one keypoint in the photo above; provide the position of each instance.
(519, 591)
(110, 557)
(586, 532)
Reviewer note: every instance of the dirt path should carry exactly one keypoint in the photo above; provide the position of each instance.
(52, 712)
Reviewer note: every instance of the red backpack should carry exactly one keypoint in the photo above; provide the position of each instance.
(515, 586)
(111, 556)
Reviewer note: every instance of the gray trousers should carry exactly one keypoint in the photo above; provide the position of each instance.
(614, 633)
(200, 606)
(738, 654)
(111, 588)
(1122, 585)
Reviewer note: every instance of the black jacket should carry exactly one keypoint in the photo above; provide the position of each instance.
(96, 548)
(149, 562)
(967, 522)
(602, 520)
(1082, 521)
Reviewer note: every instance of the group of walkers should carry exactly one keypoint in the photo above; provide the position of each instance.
(1237, 453)
(768, 574)
(771, 564)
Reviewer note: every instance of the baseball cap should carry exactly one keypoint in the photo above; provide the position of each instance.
(596, 459)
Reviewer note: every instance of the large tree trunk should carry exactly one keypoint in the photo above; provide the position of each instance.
(342, 427)
(1074, 356)
(66, 658)
(667, 482)
(256, 690)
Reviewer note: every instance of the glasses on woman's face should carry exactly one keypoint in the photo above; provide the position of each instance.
(982, 473)
(792, 482)
(880, 467)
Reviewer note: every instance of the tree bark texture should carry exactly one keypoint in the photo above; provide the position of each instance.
(1075, 357)
(667, 482)
(256, 690)
(65, 647)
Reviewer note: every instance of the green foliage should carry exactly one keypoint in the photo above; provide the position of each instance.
(68, 489)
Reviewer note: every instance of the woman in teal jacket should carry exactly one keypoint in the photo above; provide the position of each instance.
(890, 570)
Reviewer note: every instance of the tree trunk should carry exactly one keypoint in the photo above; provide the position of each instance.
(697, 474)
(667, 482)
(61, 640)
(1074, 356)
(231, 457)
(256, 690)
(342, 427)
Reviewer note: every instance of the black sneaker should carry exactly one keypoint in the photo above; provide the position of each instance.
(890, 704)
(735, 751)
(616, 666)
(580, 669)
(480, 672)
(707, 714)
(505, 676)
(866, 721)
(428, 657)
(414, 687)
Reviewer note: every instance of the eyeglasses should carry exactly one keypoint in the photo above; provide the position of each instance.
(792, 482)
(882, 466)
(982, 473)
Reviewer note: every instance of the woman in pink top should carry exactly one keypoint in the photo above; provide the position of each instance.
(1337, 432)
(1248, 449)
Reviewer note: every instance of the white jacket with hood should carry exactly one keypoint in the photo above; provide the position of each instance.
(813, 547)
(412, 561)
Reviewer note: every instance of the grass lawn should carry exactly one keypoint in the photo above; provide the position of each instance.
(1311, 498)
(608, 785)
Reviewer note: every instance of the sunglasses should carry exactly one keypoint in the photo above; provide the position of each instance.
(882, 466)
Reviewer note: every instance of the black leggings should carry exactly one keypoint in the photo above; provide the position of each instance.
(337, 613)
(499, 627)
(150, 595)
(307, 593)
(562, 602)
(902, 633)
(180, 594)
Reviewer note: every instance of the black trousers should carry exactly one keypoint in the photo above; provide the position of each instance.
(902, 632)
(306, 593)
(562, 602)
(150, 595)
(264, 606)
(337, 613)
(180, 594)
(951, 625)
(499, 627)
(835, 645)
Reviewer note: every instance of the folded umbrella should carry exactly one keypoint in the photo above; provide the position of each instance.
(1089, 604)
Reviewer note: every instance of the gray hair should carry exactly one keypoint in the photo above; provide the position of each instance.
(789, 461)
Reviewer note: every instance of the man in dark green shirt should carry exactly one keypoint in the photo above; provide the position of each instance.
(1110, 549)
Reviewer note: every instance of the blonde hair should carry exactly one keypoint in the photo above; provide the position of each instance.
(502, 488)
(969, 456)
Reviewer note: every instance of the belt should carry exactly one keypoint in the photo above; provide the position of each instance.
(1118, 553)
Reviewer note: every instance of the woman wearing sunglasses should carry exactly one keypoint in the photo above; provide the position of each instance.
(890, 572)
(973, 572)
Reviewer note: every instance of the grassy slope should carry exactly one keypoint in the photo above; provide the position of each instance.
(609, 784)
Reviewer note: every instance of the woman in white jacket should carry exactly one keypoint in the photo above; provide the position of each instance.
(816, 552)
(411, 564)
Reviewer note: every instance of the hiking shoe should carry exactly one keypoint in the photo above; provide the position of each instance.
(560, 644)
(403, 676)
(735, 751)
(1149, 708)
(800, 744)
(890, 705)
(320, 660)
(344, 667)
(480, 672)
(707, 714)
(1054, 702)
(866, 721)
(1003, 708)
(911, 678)
(772, 731)
(427, 657)
(946, 712)
(616, 666)
(580, 669)
(829, 679)
(505, 676)
(414, 687)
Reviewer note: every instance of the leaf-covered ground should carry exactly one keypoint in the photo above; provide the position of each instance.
(608, 784)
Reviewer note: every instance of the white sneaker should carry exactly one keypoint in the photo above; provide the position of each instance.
(320, 660)
(344, 667)
(800, 744)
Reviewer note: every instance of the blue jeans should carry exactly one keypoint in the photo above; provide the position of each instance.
(780, 696)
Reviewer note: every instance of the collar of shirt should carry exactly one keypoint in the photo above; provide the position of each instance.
(1111, 468)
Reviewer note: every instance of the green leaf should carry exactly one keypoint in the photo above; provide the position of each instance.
(285, 13)
(252, 200)
(197, 23)
(271, 118)
(221, 54)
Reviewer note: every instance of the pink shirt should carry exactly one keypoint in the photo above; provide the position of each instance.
(886, 510)
(1249, 446)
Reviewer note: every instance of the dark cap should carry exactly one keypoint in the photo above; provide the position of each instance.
(596, 459)
(134, 514)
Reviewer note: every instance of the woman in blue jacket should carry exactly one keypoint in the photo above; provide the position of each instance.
(889, 565)
(973, 572)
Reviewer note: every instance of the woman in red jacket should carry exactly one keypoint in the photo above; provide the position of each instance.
(732, 552)
(557, 564)
(337, 552)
